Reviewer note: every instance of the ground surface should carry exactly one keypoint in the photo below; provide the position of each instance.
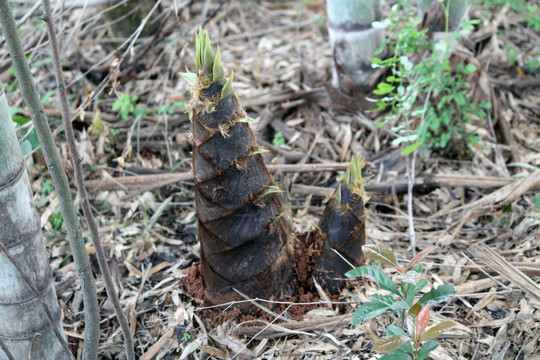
(279, 52)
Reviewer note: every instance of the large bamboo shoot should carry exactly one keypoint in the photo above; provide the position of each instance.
(246, 241)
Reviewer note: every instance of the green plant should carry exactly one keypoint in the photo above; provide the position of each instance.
(532, 18)
(536, 203)
(279, 139)
(424, 96)
(127, 105)
(414, 340)
(46, 188)
(186, 337)
(171, 108)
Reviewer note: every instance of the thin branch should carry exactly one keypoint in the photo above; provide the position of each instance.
(59, 178)
(79, 180)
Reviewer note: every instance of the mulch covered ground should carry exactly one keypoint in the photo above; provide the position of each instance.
(279, 50)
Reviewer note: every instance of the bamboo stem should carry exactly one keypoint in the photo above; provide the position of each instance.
(59, 178)
(85, 204)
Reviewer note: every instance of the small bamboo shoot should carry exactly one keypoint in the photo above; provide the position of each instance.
(342, 227)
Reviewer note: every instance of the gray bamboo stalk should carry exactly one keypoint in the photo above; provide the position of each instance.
(354, 41)
(59, 178)
(79, 180)
(30, 318)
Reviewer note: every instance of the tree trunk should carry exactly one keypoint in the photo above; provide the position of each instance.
(24, 327)
(246, 241)
(354, 41)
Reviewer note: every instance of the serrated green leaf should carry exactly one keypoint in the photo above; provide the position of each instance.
(435, 296)
(390, 343)
(380, 253)
(190, 78)
(217, 72)
(419, 257)
(438, 329)
(374, 274)
(226, 91)
(368, 311)
(426, 349)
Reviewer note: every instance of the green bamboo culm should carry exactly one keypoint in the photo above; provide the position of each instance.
(354, 41)
(59, 178)
(25, 328)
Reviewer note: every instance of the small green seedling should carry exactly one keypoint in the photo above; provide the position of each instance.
(414, 340)
(128, 106)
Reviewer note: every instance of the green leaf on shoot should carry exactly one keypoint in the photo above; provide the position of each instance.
(435, 296)
(390, 343)
(396, 355)
(387, 300)
(383, 88)
(247, 120)
(368, 311)
(217, 72)
(413, 290)
(269, 190)
(198, 51)
(374, 274)
(259, 151)
(426, 349)
(394, 330)
(437, 330)
(190, 78)
(422, 321)
(411, 277)
(227, 88)
(399, 306)
(380, 253)
(409, 149)
(208, 59)
(419, 257)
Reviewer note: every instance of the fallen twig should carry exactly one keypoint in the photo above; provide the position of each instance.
(505, 269)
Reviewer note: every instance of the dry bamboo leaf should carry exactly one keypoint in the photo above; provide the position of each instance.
(506, 269)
